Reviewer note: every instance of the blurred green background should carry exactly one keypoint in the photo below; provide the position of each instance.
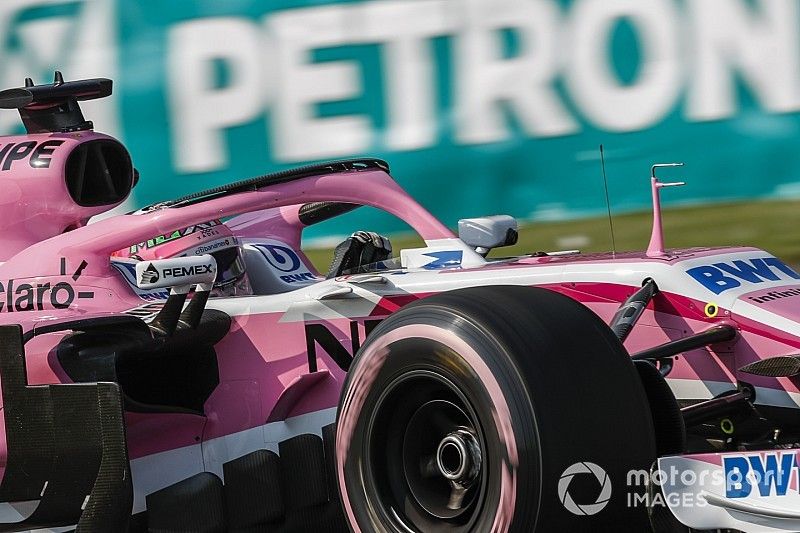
(480, 106)
(762, 224)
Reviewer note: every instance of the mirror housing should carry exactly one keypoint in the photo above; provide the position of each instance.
(177, 273)
(485, 233)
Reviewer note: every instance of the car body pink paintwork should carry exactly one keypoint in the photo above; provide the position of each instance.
(264, 373)
(33, 202)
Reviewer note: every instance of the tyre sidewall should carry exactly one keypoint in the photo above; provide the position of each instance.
(433, 341)
(561, 390)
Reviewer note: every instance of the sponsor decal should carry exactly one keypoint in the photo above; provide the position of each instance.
(39, 153)
(185, 271)
(328, 340)
(214, 246)
(17, 296)
(204, 230)
(291, 278)
(290, 268)
(760, 474)
(128, 271)
(175, 272)
(150, 274)
(280, 257)
(722, 276)
(774, 295)
(683, 483)
(444, 259)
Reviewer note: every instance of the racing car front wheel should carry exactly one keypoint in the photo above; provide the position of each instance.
(493, 409)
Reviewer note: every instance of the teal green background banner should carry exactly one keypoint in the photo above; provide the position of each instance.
(479, 106)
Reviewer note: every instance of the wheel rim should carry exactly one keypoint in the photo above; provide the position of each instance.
(426, 453)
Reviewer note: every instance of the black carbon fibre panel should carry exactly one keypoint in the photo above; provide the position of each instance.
(303, 471)
(29, 424)
(318, 507)
(252, 491)
(111, 499)
(263, 493)
(66, 448)
(283, 176)
(329, 445)
(316, 212)
(195, 504)
(78, 451)
(173, 374)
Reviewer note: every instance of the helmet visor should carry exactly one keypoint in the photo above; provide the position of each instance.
(230, 266)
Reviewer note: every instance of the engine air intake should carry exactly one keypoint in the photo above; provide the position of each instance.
(99, 172)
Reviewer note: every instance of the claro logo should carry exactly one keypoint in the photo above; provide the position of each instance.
(16, 296)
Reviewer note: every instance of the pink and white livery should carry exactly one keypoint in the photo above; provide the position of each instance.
(438, 390)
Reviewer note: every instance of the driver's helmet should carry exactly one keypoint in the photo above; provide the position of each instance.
(212, 237)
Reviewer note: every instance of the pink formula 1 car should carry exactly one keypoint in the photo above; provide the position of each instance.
(186, 368)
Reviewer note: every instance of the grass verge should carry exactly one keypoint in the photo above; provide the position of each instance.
(771, 225)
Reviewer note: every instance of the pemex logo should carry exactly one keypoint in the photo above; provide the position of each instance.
(150, 274)
(583, 469)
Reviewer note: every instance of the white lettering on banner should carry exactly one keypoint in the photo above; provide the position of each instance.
(762, 44)
(200, 112)
(608, 103)
(695, 47)
(295, 132)
(409, 73)
(485, 79)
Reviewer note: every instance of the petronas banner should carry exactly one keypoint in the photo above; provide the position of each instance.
(480, 106)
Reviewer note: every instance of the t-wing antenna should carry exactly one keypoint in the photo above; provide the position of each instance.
(54, 108)
(656, 246)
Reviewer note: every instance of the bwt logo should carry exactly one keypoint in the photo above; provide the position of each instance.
(719, 277)
(770, 474)
(280, 257)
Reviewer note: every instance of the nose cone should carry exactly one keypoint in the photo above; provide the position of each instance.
(783, 301)
(769, 343)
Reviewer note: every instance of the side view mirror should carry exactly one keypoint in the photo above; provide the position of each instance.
(486, 233)
(179, 274)
(176, 272)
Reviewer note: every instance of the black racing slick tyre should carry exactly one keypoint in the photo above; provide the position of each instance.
(493, 409)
